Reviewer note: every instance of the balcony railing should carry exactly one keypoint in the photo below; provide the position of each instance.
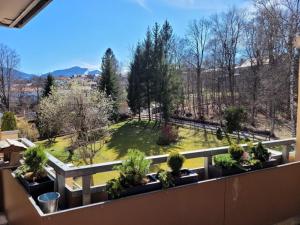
(62, 171)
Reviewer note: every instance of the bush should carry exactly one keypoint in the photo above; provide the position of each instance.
(35, 160)
(168, 135)
(27, 130)
(134, 169)
(175, 162)
(261, 153)
(165, 179)
(234, 116)
(8, 121)
(114, 188)
(224, 161)
(219, 134)
(236, 152)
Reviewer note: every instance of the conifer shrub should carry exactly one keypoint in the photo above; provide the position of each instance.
(8, 121)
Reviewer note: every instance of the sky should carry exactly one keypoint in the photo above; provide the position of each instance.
(77, 32)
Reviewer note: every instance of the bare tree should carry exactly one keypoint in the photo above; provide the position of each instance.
(227, 30)
(198, 32)
(9, 61)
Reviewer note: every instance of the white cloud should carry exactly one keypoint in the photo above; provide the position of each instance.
(142, 3)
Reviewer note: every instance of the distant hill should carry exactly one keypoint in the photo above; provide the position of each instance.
(76, 70)
(69, 72)
(23, 76)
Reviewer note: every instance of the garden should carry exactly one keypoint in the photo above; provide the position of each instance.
(140, 135)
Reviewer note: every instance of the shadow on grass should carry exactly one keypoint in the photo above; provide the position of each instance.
(135, 135)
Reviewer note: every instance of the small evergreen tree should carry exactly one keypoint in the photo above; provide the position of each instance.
(48, 85)
(109, 80)
(234, 117)
(219, 134)
(8, 121)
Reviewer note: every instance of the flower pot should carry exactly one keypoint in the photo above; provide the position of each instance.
(48, 202)
(186, 177)
(152, 185)
(38, 187)
(216, 171)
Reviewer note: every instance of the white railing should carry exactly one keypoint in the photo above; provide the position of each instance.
(62, 171)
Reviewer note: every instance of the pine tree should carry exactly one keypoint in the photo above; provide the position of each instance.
(168, 74)
(109, 75)
(147, 76)
(48, 85)
(135, 90)
(109, 80)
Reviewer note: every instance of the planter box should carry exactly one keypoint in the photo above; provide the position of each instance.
(189, 177)
(39, 187)
(153, 185)
(215, 171)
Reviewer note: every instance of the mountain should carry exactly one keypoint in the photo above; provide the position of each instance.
(76, 70)
(23, 76)
(69, 72)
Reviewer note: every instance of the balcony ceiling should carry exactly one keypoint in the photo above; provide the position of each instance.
(16, 13)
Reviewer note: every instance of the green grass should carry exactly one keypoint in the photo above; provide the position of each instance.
(137, 135)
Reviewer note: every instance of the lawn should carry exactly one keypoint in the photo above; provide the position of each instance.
(137, 135)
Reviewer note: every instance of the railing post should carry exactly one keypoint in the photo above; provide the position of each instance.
(60, 184)
(86, 190)
(207, 163)
(286, 153)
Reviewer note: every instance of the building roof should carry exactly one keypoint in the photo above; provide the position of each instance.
(16, 13)
(21, 143)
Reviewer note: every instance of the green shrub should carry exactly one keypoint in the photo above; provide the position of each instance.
(165, 179)
(175, 162)
(261, 153)
(219, 134)
(224, 161)
(234, 116)
(134, 169)
(114, 188)
(236, 152)
(168, 135)
(35, 160)
(8, 121)
(255, 163)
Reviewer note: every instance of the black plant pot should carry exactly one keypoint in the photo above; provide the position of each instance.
(216, 171)
(267, 164)
(38, 187)
(152, 185)
(186, 177)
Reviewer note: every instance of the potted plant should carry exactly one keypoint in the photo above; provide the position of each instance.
(238, 160)
(260, 153)
(32, 173)
(177, 176)
(134, 178)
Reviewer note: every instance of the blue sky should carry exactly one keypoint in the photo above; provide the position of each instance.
(77, 32)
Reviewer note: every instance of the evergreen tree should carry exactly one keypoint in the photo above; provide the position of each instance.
(168, 74)
(134, 91)
(109, 75)
(8, 121)
(48, 85)
(147, 75)
(109, 80)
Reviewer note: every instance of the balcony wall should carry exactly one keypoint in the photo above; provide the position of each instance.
(16, 203)
(1, 193)
(262, 197)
